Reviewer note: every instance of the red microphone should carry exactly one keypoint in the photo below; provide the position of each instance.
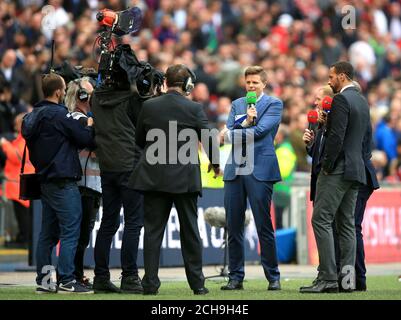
(326, 104)
(312, 119)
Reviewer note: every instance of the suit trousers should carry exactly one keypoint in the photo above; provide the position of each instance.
(335, 199)
(157, 207)
(364, 194)
(259, 194)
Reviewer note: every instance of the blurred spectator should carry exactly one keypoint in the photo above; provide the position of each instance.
(14, 151)
(8, 110)
(386, 139)
(166, 31)
(296, 133)
(379, 161)
(331, 50)
(395, 166)
(223, 110)
(287, 161)
(11, 74)
(201, 94)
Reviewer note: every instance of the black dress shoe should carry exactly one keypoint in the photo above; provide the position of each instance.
(360, 286)
(150, 292)
(201, 291)
(102, 285)
(131, 284)
(274, 285)
(321, 286)
(310, 286)
(233, 285)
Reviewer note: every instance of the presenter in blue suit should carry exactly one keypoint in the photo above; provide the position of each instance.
(251, 173)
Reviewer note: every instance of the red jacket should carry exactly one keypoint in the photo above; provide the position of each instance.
(14, 151)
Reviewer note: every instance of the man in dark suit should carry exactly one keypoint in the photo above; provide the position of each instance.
(12, 75)
(315, 148)
(167, 177)
(343, 171)
(254, 127)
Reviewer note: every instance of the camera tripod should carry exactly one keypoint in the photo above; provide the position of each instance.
(224, 270)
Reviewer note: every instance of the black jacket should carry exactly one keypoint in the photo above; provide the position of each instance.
(53, 139)
(115, 115)
(158, 113)
(346, 128)
(316, 151)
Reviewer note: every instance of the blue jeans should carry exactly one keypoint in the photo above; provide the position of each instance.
(61, 220)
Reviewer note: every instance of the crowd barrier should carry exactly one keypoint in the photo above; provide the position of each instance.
(381, 229)
(381, 225)
(212, 237)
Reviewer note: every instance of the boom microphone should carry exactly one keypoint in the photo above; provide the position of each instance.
(312, 119)
(216, 217)
(251, 102)
(326, 104)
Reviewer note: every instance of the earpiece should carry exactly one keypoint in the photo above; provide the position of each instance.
(189, 83)
(82, 94)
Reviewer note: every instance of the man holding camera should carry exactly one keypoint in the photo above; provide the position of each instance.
(116, 110)
(53, 139)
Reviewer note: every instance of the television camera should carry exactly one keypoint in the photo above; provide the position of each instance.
(119, 66)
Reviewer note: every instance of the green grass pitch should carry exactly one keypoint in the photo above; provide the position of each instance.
(379, 288)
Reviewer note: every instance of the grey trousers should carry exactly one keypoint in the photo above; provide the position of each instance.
(335, 198)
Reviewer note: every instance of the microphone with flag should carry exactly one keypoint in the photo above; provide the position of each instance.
(312, 119)
(326, 104)
(251, 102)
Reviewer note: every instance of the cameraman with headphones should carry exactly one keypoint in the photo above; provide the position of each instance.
(169, 182)
(77, 100)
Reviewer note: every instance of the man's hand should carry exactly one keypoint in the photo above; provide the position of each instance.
(308, 137)
(251, 114)
(90, 122)
(216, 169)
(322, 119)
(222, 134)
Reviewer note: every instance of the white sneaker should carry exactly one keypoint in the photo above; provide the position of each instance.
(73, 287)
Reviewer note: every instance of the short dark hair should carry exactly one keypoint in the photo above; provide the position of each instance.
(344, 67)
(258, 70)
(176, 75)
(50, 83)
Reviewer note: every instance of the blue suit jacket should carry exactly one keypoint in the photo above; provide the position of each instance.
(265, 164)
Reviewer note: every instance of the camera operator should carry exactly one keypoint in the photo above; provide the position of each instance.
(116, 109)
(53, 139)
(77, 100)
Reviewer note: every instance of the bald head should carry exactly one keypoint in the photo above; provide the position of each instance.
(9, 59)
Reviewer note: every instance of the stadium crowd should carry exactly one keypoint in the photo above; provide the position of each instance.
(295, 41)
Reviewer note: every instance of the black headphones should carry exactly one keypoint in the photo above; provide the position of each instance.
(82, 94)
(189, 82)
